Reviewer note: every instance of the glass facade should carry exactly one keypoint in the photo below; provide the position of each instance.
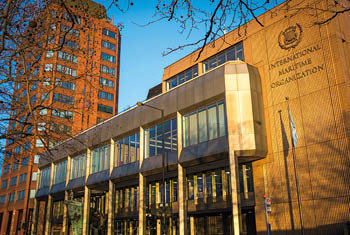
(204, 124)
(78, 166)
(233, 53)
(45, 177)
(60, 172)
(100, 159)
(154, 192)
(153, 138)
(182, 77)
(127, 197)
(127, 150)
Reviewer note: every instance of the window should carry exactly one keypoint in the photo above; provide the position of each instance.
(66, 70)
(63, 84)
(45, 96)
(2, 199)
(4, 184)
(25, 161)
(13, 181)
(8, 153)
(39, 143)
(20, 195)
(36, 159)
(233, 53)
(63, 98)
(71, 18)
(60, 128)
(34, 85)
(11, 197)
(26, 146)
(23, 178)
(51, 40)
(32, 99)
(24, 93)
(53, 27)
(182, 77)
(45, 177)
(62, 113)
(109, 33)
(10, 141)
(41, 126)
(100, 159)
(15, 165)
(106, 82)
(127, 150)
(6, 169)
(46, 81)
(106, 69)
(110, 58)
(49, 54)
(34, 176)
(153, 138)
(67, 56)
(204, 124)
(105, 95)
(12, 125)
(54, 14)
(104, 108)
(32, 193)
(48, 67)
(108, 45)
(78, 166)
(17, 150)
(70, 30)
(69, 43)
(60, 172)
(43, 112)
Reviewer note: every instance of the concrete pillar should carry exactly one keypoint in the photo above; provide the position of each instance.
(224, 185)
(111, 193)
(48, 216)
(87, 192)
(200, 68)
(245, 181)
(66, 197)
(236, 204)
(142, 187)
(36, 207)
(49, 203)
(192, 226)
(14, 222)
(181, 182)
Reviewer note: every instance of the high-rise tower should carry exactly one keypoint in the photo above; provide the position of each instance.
(72, 84)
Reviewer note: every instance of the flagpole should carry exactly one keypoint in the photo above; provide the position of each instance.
(295, 170)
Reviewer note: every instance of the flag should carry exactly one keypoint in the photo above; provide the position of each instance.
(293, 130)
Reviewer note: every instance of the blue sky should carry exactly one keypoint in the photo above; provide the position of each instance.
(141, 61)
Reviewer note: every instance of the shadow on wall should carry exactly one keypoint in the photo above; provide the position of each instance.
(323, 173)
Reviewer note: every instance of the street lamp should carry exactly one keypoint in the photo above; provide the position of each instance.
(163, 162)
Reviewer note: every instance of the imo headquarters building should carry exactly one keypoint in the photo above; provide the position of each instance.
(256, 138)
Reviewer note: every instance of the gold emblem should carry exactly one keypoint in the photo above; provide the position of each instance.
(290, 37)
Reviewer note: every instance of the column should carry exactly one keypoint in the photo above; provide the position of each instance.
(111, 193)
(181, 182)
(236, 204)
(36, 207)
(87, 192)
(142, 187)
(49, 203)
(66, 197)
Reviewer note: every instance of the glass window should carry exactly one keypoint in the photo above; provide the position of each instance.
(32, 193)
(127, 150)
(107, 57)
(109, 33)
(45, 177)
(204, 124)
(78, 166)
(49, 54)
(36, 159)
(2, 199)
(68, 57)
(106, 69)
(6, 169)
(70, 30)
(60, 172)
(62, 113)
(153, 138)
(48, 67)
(100, 159)
(43, 112)
(66, 70)
(39, 143)
(20, 195)
(105, 108)
(15, 165)
(25, 161)
(60, 128)
(106, 82)
(190, 188)
(105, 95)
(4, 184)
(69, 43)
(11, 197)
(13, 181)
(63, 98)
(34, 176)
(108, 45)
(23, 178)
(182, 77)
(233, 53)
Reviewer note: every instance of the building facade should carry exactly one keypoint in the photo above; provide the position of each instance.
(74, 86)
(226, 120)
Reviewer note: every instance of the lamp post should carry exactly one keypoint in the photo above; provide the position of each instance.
(163, 163)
